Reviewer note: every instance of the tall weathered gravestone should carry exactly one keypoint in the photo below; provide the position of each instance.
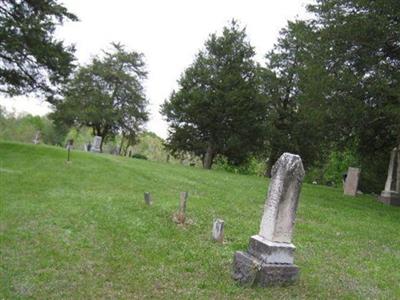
(391, 193)
(351, 183)
(269, 259)
(96, 144)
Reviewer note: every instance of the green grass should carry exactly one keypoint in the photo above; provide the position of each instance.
(82, 230)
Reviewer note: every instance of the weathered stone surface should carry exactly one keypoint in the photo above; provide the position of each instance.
(269, 259)
(283, 195)
(147, 198)
(390, 200)
(248, 271)
(277, 274)
(271, 252)
(218, 231)
(181, 215)
(96, 144)
(245, 268)
(391, 194)
(351, 183)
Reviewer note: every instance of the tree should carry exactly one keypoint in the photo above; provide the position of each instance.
(331, 84)
(107, 95)
(216, 110)
(291, 84)
(359, 40)
(31, 59)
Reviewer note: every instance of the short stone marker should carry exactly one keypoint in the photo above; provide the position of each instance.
(351, 183)
(391, 194)
(269, 259)
(180, 216)
(182, 207)
(70, 145)
(96, 144)
(36, 139)
(147, 198)
(218, 231)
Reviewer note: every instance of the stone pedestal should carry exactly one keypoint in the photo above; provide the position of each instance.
(266, 263)
(271, 252)
(249, 270)
(390, 198)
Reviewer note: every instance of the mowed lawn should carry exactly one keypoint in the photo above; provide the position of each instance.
(82, 231)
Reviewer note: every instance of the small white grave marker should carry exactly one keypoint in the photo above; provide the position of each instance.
(218, 231)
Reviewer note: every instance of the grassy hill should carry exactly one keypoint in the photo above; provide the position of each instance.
(82, 230)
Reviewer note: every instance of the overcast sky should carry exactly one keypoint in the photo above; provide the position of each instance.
(169, 33)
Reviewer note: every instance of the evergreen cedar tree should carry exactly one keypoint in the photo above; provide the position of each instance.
(31, 59)
(332, 84)
(216, 109)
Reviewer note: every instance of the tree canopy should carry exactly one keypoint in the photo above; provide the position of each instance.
(31, 59)
(332, 84)
(216, 110)
(107, 95)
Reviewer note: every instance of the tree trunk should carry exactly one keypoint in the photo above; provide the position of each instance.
(126, 148)
(273, 157)
(121, 144)
(208, 157)
(101, 144)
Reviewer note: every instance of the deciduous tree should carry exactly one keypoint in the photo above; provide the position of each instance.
(107, 95)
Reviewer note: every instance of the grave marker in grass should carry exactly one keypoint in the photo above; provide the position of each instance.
(391, 194)
(180, 216)
(70, 144)
(147, 198)
(351, 182)
(218, 231)
(269, 260)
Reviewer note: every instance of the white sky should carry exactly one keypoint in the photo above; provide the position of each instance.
(169, 33)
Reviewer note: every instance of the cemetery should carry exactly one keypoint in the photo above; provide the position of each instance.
(200, 149)
(85, 230)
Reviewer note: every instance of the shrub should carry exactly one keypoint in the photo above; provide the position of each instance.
(139, 156)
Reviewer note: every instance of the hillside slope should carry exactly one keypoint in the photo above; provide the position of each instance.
(82, 230)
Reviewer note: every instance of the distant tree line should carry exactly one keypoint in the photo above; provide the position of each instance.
(329, 90)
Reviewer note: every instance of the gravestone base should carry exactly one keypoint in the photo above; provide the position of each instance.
(271, 252)
(390, 198)
(249, 270)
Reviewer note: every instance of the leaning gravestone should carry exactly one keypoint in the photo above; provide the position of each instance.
(269, 259)
(96, 144)
(391, 194)
(351, 183)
